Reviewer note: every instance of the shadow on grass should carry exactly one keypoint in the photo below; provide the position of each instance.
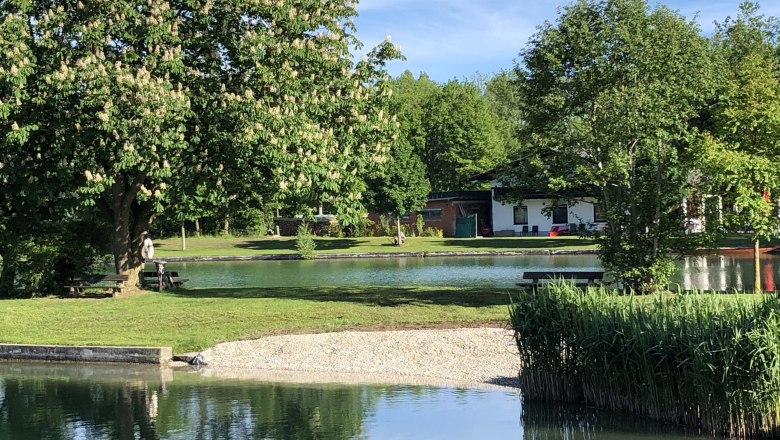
(519, 243)
(375, 296)
(289, 245)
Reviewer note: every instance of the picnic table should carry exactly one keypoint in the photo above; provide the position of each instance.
(161, 278)
(540, 277)
(108, 285)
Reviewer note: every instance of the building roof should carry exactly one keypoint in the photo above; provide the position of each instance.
(483, 195)
(500, 191)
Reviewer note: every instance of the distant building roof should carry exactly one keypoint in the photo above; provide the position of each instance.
(500, 191)
(483, 195)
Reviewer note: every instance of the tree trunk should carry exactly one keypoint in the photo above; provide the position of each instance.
(226, 225)
(7, 276)
(197, 227)
(183, 238)
(757, 267)
(131, 221)
(398, 229)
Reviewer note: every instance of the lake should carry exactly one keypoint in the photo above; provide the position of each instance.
(717, 272)
(70, 401)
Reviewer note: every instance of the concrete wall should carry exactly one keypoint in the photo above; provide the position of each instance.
(503, 215)
(138, 355)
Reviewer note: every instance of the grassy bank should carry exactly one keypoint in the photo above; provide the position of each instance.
(707, 361)
(222, 246)
(194, 319)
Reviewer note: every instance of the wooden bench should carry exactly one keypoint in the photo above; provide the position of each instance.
(109, 285)
(569, 275)
(170, 279)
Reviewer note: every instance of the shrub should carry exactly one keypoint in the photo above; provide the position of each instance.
(420, 225)
(433, 232)
(362, 228)
(304, 242)
(387, 225)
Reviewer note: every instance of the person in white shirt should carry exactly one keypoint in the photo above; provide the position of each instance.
(148, 248)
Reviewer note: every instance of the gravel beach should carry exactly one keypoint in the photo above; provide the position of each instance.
(465, 357)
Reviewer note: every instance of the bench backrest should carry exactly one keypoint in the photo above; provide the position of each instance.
(100, 278)
(568, 275)
(148, 274)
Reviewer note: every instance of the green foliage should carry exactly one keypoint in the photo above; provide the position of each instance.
(304, 242)
(402, 187)
(432, 232)
(455, 130)
(609, 92)
(39, 264)
(419, 225)
(253, 222)
(362, 228)
(739, 154)
(462, 138)
(708, 361)
(504, 100)
(192, 105)
(386, 224)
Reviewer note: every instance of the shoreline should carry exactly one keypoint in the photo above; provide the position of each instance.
(431, 254)
(470, 357)
(424, 254)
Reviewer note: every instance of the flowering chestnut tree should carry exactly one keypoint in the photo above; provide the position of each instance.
(143, 102)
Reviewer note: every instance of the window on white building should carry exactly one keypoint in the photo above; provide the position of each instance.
(599, 215)
(521, 215)
(560, 215)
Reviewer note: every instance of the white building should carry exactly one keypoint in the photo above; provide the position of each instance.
(529, 217)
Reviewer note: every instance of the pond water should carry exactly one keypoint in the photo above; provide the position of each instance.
(717, 272)
(68, 401)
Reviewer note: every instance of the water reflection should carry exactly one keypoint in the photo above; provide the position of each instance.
(51, 401)
(63, 404)
(546, 421)
(726, 272)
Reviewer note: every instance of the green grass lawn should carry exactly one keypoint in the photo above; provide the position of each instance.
(190, 320)
(743, 240)
(224, 246)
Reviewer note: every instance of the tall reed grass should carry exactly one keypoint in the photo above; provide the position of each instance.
(705, 360)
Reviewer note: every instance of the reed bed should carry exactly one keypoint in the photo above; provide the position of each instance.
(704, 360)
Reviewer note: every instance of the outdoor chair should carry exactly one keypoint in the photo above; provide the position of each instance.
(524, 232)
(535, 230)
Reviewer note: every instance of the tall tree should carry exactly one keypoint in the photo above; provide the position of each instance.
(462, 137)
(411, 105)
(740, 155)
(608, 92)
(140, 98)
(403, 186)
(457, 130)
(503, 98)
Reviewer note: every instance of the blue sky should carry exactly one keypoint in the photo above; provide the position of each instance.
(454, 39)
